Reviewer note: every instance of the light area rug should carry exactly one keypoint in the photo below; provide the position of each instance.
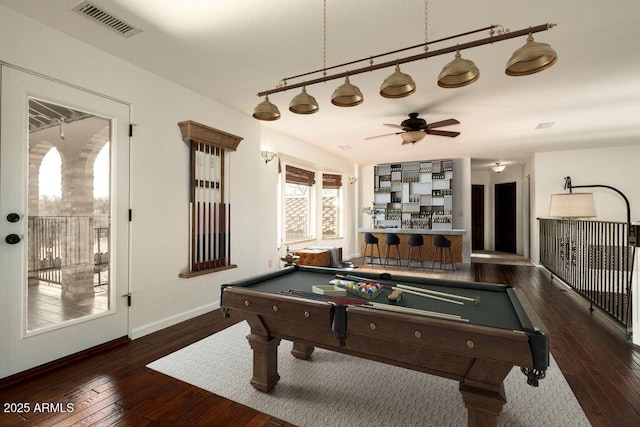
(333, 389)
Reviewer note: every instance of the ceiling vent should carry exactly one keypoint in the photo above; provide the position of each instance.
(105, 19)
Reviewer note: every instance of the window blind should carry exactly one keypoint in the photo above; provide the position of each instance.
(300, 176)
(331, 181)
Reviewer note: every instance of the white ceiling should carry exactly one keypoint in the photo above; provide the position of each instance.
(231, 50)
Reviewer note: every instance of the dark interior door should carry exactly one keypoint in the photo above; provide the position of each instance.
(505, 217)
(477, 217)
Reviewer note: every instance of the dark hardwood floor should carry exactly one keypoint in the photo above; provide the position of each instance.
(115, 387)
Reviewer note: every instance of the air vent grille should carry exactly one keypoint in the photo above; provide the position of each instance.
(105, 19)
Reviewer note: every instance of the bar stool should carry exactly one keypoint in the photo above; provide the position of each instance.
(370, 239)
(418, 241)
(439, 244)
(392, 239)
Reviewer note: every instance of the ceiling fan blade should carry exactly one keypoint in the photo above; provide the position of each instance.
(381, 136)
(442, 123)
(392, 125)
(442, 133)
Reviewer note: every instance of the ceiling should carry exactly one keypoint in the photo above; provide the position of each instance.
(231, 50)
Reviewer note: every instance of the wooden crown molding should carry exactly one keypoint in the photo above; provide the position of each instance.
(203, 134)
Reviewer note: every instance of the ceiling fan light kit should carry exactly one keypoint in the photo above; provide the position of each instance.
(416, 128)
(531, 58)
(412, 136)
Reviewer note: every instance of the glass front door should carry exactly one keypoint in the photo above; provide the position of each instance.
(64, 200)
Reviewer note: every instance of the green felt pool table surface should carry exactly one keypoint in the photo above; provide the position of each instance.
(495, 308)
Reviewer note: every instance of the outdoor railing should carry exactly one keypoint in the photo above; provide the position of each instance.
(593, 258)
(60, 241)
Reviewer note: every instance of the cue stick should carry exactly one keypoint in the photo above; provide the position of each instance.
(415, 311)
(192, 191)
(326, 298)
(475, 300)
(374, 305)
(427, 291)
(422, 294)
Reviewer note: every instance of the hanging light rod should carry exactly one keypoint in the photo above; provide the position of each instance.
(371, 58)
(425, 55)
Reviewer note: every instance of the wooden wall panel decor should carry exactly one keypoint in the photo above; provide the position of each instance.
(203, 134)
(209, 213)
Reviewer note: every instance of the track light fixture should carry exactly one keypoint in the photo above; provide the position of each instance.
(531, 58)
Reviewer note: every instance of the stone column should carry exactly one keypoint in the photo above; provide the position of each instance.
(78, 229)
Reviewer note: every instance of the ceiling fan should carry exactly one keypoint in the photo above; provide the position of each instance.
(414, 129)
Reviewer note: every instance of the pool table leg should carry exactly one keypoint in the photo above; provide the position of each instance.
(265, 362)
(483, 408)
(301, 351)
(483, 393)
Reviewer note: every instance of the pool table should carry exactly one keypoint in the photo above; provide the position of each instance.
(478, 350)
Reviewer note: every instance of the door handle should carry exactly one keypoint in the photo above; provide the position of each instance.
(12, 239)
(13, 217)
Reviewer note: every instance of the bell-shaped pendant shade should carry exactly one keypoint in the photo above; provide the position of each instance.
(531, 58)
(397, 85)
(266, 111)
(458, 73)
(303, 103)
(347, 95)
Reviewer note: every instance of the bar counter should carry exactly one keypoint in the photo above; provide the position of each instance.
(454, 235)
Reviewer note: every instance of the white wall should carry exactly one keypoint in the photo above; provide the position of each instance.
(159, 172)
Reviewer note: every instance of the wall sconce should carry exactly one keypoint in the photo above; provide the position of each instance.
(268, 155)
(498, 167)
(352, 180)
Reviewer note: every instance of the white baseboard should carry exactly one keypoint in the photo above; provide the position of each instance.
(170, 321)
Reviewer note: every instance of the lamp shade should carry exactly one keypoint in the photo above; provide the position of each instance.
(347, 95)
(531, 58)
(266, 111)
(458, 73)
(413, 136)
(303, 103)
(498, 167)
(397, 85)
(572, 205)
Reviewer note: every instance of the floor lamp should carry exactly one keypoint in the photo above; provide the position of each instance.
(582, 205)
